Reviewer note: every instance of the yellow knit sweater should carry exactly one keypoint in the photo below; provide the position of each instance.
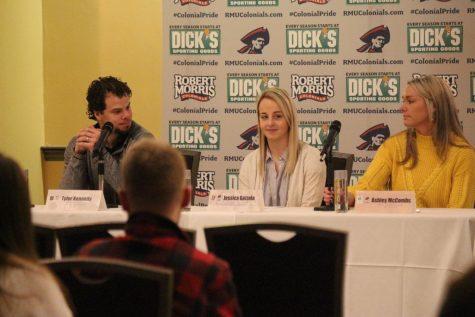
(438, 184)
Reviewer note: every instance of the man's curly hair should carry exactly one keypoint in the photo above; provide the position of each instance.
(99, 88)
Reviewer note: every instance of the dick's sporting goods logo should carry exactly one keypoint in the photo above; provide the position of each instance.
(204, 183)
(201, 88)
(247, 87)
(371, 1)
(450, 80)
(435, 37)
(372, 87)
(195, 39)
(315, 133)
(199, 135)
(232, 178)
(472, 86)
(202, 3)
(312, 39)
(253, 3)
(318, 88)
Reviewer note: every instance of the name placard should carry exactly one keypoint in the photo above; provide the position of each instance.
(75, 200)
(236, 200)
(385, 201)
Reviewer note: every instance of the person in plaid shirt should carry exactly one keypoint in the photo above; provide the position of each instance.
(153, 193)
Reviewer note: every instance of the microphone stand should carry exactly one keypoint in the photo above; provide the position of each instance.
(328, 157)
(100, 171)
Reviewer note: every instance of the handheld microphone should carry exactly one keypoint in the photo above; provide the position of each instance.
(330, 140)
(105, 132)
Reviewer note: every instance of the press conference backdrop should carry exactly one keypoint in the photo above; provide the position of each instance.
(339, 59)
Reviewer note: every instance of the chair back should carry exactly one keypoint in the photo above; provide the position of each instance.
(111, 287)
(302, 276)
(343, 161)
(45, 241)
(71, 239)
(192, 160)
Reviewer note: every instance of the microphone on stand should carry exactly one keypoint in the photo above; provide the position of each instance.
(335, 128)
(105, 132)
(326, 155)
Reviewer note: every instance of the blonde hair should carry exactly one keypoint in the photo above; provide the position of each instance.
(152, 174)
(281, 97)
(442, 113)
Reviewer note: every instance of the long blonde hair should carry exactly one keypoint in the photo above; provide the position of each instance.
(281, 97)
(442, 113)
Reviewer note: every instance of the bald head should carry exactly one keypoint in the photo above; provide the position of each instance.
(152, 177)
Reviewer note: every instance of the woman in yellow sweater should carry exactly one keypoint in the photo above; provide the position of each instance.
(431, 157)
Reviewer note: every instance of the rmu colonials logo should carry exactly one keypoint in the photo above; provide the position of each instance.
(204, 183)
(372, 87)
(195, 135)
(246, 87)
(435, 37)
(450, 80)
(232, 178)
(202, 3)
(201, 88)
(312, 1)
(375, 39)
(255, 41)
(315, 133)
(195, 39)
(318, 88)
(374, 137)
(251, 139)
(312, 39)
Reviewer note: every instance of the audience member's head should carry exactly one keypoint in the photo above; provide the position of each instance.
(153, 179)
(460, 300)
(16, 230)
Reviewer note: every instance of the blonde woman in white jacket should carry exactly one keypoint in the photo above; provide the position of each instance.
(288, 171)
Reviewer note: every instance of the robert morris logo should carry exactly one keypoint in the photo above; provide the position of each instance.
(255, 41)
(199, 135)
(375, 39)
(318, 88)
(201, 88)
(202, 3)
(435, 37)
(311, 1)
(450, 80)
(247, 87)
(371, 1)
(253, 3)
(195, 40)
(372, 87)
(472, 86)
(312, 39)
(374, 137)
(204, 183)
(232, 178)
(251, 139)
(315, 133)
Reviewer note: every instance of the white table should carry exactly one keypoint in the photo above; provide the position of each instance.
(396, 264)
